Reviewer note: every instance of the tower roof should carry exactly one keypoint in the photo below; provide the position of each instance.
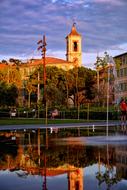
(74, 31)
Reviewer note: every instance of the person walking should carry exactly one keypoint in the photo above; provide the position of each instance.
(123, 109)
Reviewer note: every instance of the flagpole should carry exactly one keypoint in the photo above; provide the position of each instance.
(107, 104)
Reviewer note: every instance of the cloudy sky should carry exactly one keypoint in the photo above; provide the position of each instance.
(102, 24)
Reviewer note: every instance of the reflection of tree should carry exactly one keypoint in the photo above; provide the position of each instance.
(109, 176)
(59, 156)
(22, 174)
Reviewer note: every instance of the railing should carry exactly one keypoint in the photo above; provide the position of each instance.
(93, 115)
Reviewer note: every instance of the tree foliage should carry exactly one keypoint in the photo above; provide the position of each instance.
(61, 85)
(8, 94)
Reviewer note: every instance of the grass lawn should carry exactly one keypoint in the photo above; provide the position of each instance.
(19, 121)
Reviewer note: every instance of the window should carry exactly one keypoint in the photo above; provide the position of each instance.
(75, 46)
(123, 60)
(123, 87)
(118, 73)
(125, 74)
(121, 72)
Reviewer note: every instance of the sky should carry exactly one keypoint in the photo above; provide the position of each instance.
(102, 24)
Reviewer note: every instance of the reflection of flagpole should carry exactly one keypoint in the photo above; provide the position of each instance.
(38, 141)
(45, 180)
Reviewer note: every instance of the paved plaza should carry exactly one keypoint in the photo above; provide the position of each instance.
(67, 125)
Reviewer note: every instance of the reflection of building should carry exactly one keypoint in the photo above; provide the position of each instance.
(121, 161)
(26, 162)
(75, 180)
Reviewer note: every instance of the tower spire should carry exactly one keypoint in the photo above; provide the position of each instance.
(73, 30)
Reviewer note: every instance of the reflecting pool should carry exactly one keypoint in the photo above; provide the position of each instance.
(62, 159)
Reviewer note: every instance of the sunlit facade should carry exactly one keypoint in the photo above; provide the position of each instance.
(121, 79)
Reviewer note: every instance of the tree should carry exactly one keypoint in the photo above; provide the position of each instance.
(62, 85)
(12, 95)
(90, 92)
(56, 87)
(8, 94)
(4, 61)
(102, 68)
(30, 88)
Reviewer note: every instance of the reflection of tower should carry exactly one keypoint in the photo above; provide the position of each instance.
(73, 47)
(75, 179)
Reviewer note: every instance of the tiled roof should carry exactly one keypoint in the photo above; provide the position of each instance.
(2, 65)
(48, 61)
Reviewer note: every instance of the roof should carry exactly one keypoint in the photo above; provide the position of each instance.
(73, 31)
(2, 65)
(120, 55)
(48, 61)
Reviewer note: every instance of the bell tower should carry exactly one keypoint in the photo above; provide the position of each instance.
(74, 47)
(75, 179)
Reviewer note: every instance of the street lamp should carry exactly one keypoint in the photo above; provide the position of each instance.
(42, 46)
(107, 61)
(108, 101)
(110, 63)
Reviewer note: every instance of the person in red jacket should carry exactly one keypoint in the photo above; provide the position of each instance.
(123, 109)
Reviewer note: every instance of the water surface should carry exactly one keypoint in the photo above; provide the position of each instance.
(66, 159)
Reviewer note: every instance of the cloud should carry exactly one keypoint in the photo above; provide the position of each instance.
(111, 2)
(101, 23)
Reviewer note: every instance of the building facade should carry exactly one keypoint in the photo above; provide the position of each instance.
(121, 78)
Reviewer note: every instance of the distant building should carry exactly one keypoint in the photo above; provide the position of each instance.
(121, 79)
(117, 78)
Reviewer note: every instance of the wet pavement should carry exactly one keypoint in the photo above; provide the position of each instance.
(65, 125)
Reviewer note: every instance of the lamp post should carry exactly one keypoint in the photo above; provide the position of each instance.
(42, 46)
(107, 102)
